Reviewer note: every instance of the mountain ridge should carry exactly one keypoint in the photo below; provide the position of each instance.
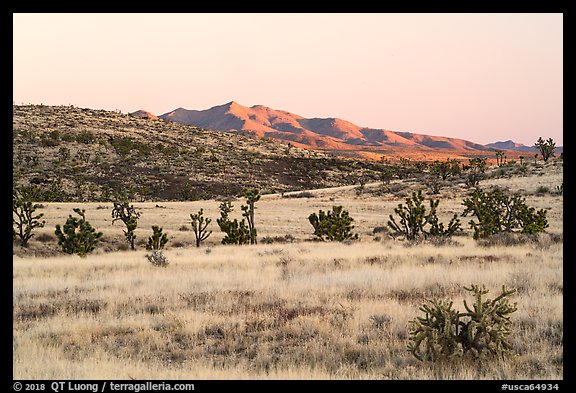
(334, 135)
(511, 145)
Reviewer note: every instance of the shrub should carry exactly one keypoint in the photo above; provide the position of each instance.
(50, 140)
(413, 219)
(45, 238)
(333, 225)
(498, 212)
(560, 189)
(288, 238)
(77, 236)
(302, 194)
(473, 180)
(122, 145)
(158, 239)
(86, 137)
(433, 182)
(508, 239)
(157, 258)
(444, 332)
(25, 221)
(199, 225)
(387, 174)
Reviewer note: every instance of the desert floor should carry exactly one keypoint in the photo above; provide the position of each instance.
(297, 309)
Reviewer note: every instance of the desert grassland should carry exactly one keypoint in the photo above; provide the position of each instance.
(300, 310)
(277, 216)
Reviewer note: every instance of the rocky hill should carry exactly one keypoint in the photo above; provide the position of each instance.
(66, 153)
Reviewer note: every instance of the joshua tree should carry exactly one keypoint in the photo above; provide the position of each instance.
(333, 225)
(441, 169)
(199, 225)
(546, 147)
(158, 239)
(498, 212)
(521, 158)
(478, 164)
(413, 219)
(25, 220)
(500, 157)
(252, 196)
(77, 236)
(126, 213)
(236, 232)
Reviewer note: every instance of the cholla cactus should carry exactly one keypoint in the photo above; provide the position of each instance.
(444, 333)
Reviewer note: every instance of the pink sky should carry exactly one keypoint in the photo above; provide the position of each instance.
(480, 77)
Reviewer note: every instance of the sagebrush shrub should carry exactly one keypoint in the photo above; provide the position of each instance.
(157, 258)
(444, 333)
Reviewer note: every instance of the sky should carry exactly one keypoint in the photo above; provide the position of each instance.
(480, 77)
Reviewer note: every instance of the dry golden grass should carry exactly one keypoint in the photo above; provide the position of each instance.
(301, 310)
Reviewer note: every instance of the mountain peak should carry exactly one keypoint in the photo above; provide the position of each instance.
(509, 144)
(233, 104)
(143, 113)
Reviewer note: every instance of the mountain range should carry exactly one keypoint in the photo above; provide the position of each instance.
(333, 135)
